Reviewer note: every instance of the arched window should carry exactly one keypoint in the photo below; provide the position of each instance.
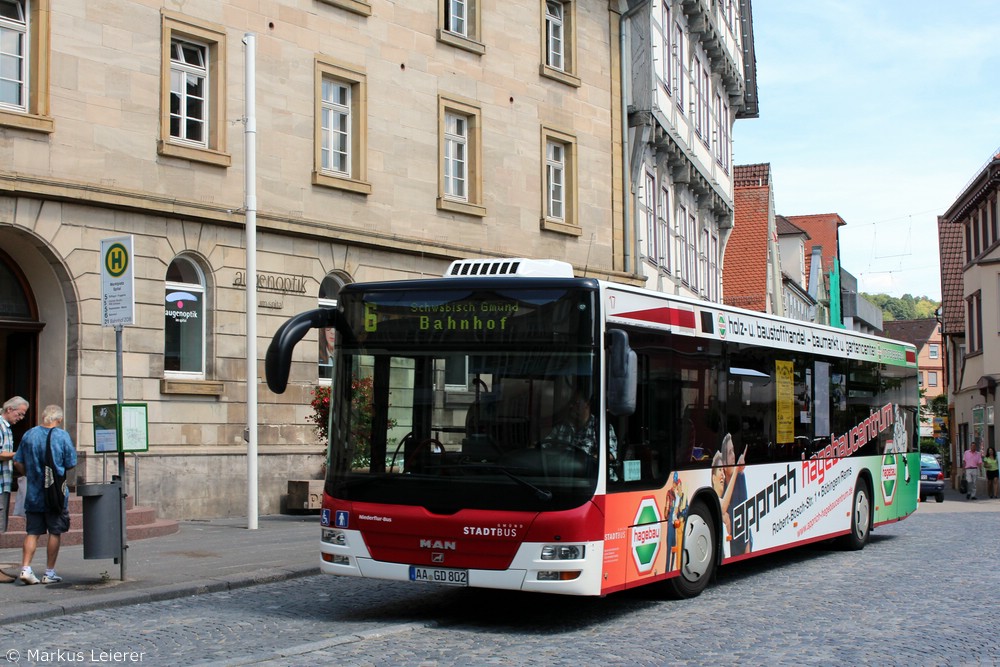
(14, 300)
(329, 291)
(184, 320)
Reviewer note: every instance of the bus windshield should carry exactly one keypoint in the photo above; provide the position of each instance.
(448, 398)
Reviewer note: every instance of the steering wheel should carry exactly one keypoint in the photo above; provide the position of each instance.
(430, 443)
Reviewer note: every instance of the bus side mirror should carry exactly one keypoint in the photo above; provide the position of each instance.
(278, 360)
(622, 374)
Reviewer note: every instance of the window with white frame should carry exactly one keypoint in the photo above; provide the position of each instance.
(725, 137)
(456, 157)
(460, 25)
(193, 105)
(680, 247)
(647, 217)
(460, 187)
(701, 101)
(335, 148)
(706, 107)
(559, 182)
(713, 268)
(691, 238)
(994, 218)
(189, 92)
(555, 41)
(341, 110)
(456, 19)
(184, 320)
(699, 128)
(663, 228)
(25, 65)
(555, 168)
(680, 68)
(559, 41)
(456, 372)
(703, 274)
(933, 350)
(13, 55)
(932, 378)
(667, 61)
(974, 320)
(717, 134)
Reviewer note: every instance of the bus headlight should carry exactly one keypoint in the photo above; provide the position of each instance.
(335, 537)
(563, 552)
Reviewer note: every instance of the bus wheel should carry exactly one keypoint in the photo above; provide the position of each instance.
(861, 515)
(698, 553)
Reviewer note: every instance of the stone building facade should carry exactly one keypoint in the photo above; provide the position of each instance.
(391, 139)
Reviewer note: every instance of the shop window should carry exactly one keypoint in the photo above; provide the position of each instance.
(184, 320)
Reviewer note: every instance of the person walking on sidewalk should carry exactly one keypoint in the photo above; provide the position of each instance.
(12, 412)
(30, 461)
(972, 461)
(992, 473)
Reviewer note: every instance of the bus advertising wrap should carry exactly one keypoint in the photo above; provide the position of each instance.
(766, 507)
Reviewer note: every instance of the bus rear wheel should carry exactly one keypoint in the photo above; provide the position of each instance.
(698, 553)
(861, 515)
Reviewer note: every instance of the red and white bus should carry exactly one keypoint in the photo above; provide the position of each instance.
(511, 426)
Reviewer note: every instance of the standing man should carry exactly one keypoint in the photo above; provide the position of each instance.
(30, 460)
(12, 412)
(972, 461)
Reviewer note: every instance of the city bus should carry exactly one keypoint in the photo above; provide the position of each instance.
(511, 426)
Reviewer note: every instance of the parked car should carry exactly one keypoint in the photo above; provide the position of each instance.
(931, 478)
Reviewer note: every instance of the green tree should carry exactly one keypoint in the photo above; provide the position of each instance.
(906, 307)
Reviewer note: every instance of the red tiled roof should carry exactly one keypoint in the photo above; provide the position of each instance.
(784, 227)
(744, 278)
(822, 229)
(951, 247)
(917, 332)
(752, 175)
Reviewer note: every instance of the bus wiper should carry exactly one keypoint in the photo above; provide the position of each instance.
(540, 493)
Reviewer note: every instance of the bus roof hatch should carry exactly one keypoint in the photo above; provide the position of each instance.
(547, 268)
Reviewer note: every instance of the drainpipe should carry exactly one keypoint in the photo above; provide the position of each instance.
(625, 63)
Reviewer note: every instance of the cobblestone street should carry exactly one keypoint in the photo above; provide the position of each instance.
(914, 596)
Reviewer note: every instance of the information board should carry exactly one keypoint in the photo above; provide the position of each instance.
(124, 430)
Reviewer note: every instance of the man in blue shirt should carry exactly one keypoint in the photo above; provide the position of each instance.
(30, 462)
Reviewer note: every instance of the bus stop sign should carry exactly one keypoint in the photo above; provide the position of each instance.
(117, 291)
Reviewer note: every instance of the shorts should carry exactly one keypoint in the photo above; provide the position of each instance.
(992, 474)
(39, 523)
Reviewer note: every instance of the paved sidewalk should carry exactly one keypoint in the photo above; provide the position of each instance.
(954, 501)
(202, 557)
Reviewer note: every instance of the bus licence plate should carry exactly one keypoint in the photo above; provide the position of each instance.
(439, 575)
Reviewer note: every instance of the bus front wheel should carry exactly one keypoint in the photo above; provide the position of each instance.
(861, 515)
(698, 553)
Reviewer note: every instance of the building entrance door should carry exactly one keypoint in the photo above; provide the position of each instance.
(19, 328)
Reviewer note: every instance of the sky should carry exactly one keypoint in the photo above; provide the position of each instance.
(881, 111)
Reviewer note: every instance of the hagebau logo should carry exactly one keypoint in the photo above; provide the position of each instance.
(646, 534)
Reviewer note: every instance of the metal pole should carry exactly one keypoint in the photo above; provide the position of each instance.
(250, 131)
(121, 457)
